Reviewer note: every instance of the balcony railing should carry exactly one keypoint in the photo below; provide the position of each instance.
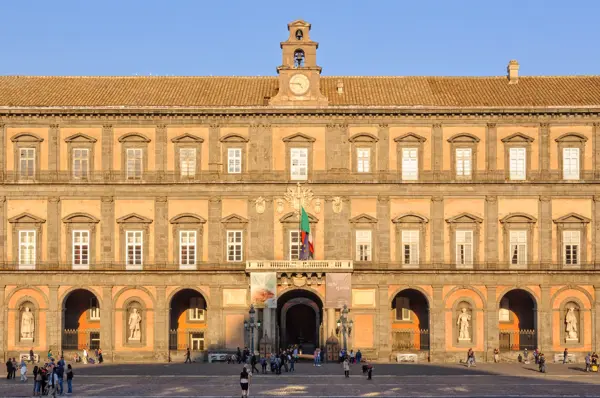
(327, 265)
(113, 266)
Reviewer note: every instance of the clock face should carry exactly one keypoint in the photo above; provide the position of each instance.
(299, 84)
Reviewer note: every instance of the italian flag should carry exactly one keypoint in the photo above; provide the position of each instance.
(307, 250)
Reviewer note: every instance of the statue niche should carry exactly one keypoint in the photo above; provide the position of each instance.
(27, 324)
(134, 323)
(571, 323)
(464, 322)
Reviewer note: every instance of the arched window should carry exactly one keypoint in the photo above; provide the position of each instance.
(298, 58)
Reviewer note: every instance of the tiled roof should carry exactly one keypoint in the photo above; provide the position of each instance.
(166, 91)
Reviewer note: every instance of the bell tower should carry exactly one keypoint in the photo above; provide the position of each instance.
(299, 75)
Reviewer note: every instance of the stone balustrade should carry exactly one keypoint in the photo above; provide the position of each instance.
(328, 265)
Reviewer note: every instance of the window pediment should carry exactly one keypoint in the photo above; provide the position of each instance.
(26, 218)
(133, 218)
(572, 137)
(518, 218)
(187, 218)
(80, 137)
(80, 218)
(463, 138)
(134, 137)
(410, 218)
(26, 137)
(292, 217)
(410, 138)
(363, 219)
(572, 218)
(234, 219)
(363, 137)
(187, 138)
(464, 218)
(232, 137)
(517, 137)
(299, 137)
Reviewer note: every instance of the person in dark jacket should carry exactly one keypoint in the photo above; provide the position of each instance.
(9, 368)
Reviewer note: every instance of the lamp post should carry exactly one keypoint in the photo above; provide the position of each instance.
(344, 326)
(251, 325)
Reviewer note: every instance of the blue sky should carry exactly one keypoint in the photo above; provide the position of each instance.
(185, 37)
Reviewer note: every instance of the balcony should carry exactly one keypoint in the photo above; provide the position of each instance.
(315, 265)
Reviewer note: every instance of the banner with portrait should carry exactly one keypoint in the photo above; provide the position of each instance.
(263, 289)
(338, 290)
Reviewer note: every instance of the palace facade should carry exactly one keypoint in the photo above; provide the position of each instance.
(144, 215)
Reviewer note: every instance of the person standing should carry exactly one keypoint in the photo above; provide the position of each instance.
(60, 373)
(100, 357)
(244, 381)
(37, 381)
(69, 379)
(14, 368)
(369, 371)
(565, 355)
(253, 361)
(85, 356)
(588, 362)
(23, 368)
(358, 356)
(346, 365)
(31, 355)
(292, 363)
(496, 355)
(188, 356)
(9, 366)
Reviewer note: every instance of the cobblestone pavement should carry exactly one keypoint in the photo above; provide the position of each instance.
(221, 380)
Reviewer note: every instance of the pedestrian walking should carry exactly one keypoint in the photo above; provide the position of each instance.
(188, 356)
(369, 371)
(69, 379)
(588, 362)
(37, 381)
(496, 355)
(565, 355)
(253, 361)
(60, 373)
(85, 356)
(263, 364)
(526, 356)
(23, 368)
(31, 355)
(244, 381)
(470, 358)
(346, 365)
(292, 363)
(100, 357)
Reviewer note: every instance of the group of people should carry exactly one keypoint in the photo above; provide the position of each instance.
(351, 356)
(85, 356)
(12, 366)
(591, 359)
(47, 379)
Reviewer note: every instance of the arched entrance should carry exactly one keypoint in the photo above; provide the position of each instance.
(299, 318)
(187, 321)
(81, 321)
(517, 321)
(410, 321)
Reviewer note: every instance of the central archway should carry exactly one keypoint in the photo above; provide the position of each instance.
(299, 316)
(81, 321)
(187, 321)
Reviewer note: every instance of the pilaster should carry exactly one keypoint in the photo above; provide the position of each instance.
(54, 148)
(54, 231)
(161, 229)
(160, 149)
(215, 243)
(491, 230)
(216, 326)
(491, 335)
(214, 148)
(596, 230)
(383, 332)
(544, 328)
(491, 143)
(545, 149)
(337, 147)
(54, 326)
(107, 149)
(383, 228)
(338, 235)
(383, 148)
(3, 231)
(596, 319)
(437, 147)
(106, 321)
(260, 149)
(437, 325)
(2, 150)
(596, 148)
(3, 332)
(437, 229)
(161, 332)
(545, 211)
(260, 228)
(107, 229)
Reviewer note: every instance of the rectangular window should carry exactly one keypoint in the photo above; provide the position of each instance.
(295, 245)
(504, 313)
(571, 242)
(197, 341)
(94, 310)
(299, 163)
(81, 248)
(464, 247)
(517, 167)
(402, 309)
(234, 246)
(410, 164)
(94, 340)
(463, 162)
(27, 162)
(27, 248)
(134, 248)
(187, 162)
(571, 163)
(410, 247)
(134, 163)
(81, 163)
(196, 310)
(234, 160)
(187, 248)
(363, 160)
(518, 247)
(363, 245)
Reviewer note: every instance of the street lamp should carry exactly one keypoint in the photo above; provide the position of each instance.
(344, 326)
(251, 325)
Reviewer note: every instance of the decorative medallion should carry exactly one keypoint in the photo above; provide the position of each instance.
(337, 204)
(260, 205)
(280, 204)
(299, 197)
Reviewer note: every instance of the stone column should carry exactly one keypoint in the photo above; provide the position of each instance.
(596, 230)
(54, 149)
(3, 332)
(544, 316)
(383, 332)
(161, 230)
(260, 228)
(338, 235)
(383, 229)
(545, 150)
(337, 147)
(492, 317)
(216, 326)
(2, 150)
(437, 323)
(491, 231)
(545, 212)
(490, 147)
(437, 229)
(54, 325)
(107, 230)
(596, 147)
(161, 332)
(215, 244)
(106, 321)
(260, 149)
(160, 150)
(383, 148)
(437, 147)
(107, 150)
(214, 148)
(596, 319)
(3, 234)
(53, 230)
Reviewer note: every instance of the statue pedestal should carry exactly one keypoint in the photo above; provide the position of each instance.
(463, 339)
(26, 339)
(568, 340)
